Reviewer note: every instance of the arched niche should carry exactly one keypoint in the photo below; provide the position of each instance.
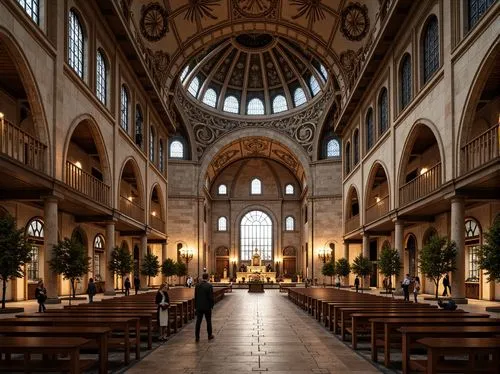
(156, 209)
(377, 199)
(352, 209)
(131, 192)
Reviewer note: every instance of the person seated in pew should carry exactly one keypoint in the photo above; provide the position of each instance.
(162, 301)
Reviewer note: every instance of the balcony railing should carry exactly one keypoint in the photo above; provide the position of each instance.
(87, 184)
(157, 223)
(21, 146)
(421, 186)
(131, 209)
(377, 210)
(352, 223)
(482, 149)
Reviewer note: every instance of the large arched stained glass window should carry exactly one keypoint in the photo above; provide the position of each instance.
(256, 234)
(279, 104)
(299, 97)
(101, 77)
(431, 48)
(231, 105)
(333, 148)
(476, 9)
(255, 107)
(405, 81)
(210, 97)
(370, 136)
(76, 46)
(383, 111)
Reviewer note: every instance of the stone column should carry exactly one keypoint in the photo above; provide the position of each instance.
(163, 252)
(346, 250)
(399, 245)
(109, 281)
(50, 229)
(143, 250)
(366, 245)
(458, 236)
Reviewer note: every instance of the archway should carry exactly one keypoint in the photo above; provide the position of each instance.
(256, 234)
(156, 214)
(131, 191)
(421, 165)
(221, 262)
(86, 163)
(352, 220)
(411, 247)
(377, 193)
(289, 262)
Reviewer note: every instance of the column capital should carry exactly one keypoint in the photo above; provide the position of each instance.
(52, 196)
(398, 221)
(457, 199)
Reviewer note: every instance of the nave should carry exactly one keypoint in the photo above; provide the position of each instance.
(255, 333)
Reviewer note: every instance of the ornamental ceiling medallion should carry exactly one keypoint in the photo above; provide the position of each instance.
(154, 21)
(311, 9)
(199, 9)
(354, 21)
(254, 8)
(256, 146)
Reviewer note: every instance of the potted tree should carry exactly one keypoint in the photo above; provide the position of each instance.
(389, 264)
(181, 270)
(121, 263)
(14, 254)
(328, 270)
(342, 269)
(362, 267)
(168, 269)
(150, 266)
(437, 258)
(71, 261)
(489, 257)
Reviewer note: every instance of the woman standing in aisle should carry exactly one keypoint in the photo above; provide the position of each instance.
(162, 301)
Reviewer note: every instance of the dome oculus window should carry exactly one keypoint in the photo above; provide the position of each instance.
(231, 105)
(32, 9)
(289, 224)
(176, 149)
(210, 98)
(299, 97)
(101, 77)
(222, 189)
(314, 85)
(256, 187)
(222, 224)
(194, 86)
(333, 148)
(124, 108)
(76, 45)
(289, 190)
(279, 104)
(255, 107)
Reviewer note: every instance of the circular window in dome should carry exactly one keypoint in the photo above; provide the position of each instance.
(254, 40)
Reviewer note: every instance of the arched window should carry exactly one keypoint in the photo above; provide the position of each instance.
(431, 48)
(383, 111)
(324, 73)
(289, 189)
(370, 138)
(32, 9)
(222, 189)
(210, 98)
(34, 231)
(222, 224)
(176, 149)
(101, 84)
(405, 81)
(256, 233)
(476, 9)
(299, 97)
(333, 148)
(255, 107)
(184, 73)
(124, 102)
(160, 155)
(348, 158)
(289, 224)
(314, 85)
(152, 141)
(355, 141)
(194, 86)
(138, 125)
(76, 43)
(279, 104)
(231, 105)
(472, 243)
(98, 252)
(256, 187)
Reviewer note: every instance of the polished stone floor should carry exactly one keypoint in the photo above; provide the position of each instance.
(255, 333)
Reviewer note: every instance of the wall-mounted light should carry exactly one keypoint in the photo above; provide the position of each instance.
(377, 199)
(1, 115)
(153, 213)
(130, 198)
(423, 171)
(78, 164)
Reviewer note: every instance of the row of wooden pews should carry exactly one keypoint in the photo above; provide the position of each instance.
(109, 325)
(399, 326)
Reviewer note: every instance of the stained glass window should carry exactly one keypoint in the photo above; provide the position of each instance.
(289, 190)
(76, 45)
(383, 111)
(152, 140)
(431, 48)
(176, 149)
(256, 186)
(279, 104)
(32, 8)
(210, 98)
(289, 224)
(471, 229)
(101, 77)
(231, 105)
(299, 97)
(355, 142)
(314, 85)
(256, 233)
(124, 108)
(35, 229)
(255, 107)
(222, 224)
(194, 86)
(476, 9)
(405, 81)
(222, 189)
(370, 138)
(333, 148)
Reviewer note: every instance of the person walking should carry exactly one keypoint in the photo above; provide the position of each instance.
(91, 290)
(356, 283)
(446, 285)
(405, 284)
(137, 283)
(204, 303)
(416, 288)
(162, 301)
(41, 296)
(127, 286)
(189, 281)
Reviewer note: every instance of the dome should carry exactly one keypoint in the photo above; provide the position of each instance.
(254, 74)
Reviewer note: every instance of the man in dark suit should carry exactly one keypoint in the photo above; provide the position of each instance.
(203, 303)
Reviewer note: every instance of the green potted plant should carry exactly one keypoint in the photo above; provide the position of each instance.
(328, 270)
(150, 266)
(168, 269)
(362, 267)
(121, 263)
(389, 264)
(489, 256)
(342, 269)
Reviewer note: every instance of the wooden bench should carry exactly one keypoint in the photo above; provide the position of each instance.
(475, 348)
(45, 346)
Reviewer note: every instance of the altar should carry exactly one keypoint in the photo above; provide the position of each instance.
(256, 272)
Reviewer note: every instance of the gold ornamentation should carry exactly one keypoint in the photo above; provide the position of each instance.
(154, 22)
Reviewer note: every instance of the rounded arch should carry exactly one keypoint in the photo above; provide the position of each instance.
(289, 251)
(257, 229)
(89, 121)
(160, 197)
(376, 192)
(428, 234)
(130, 170)
(80, 235)
(222, 251)
(352, 194)
(34, 228)
(31, 87)
(410, 239)
(425, 31)
(472, 227)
